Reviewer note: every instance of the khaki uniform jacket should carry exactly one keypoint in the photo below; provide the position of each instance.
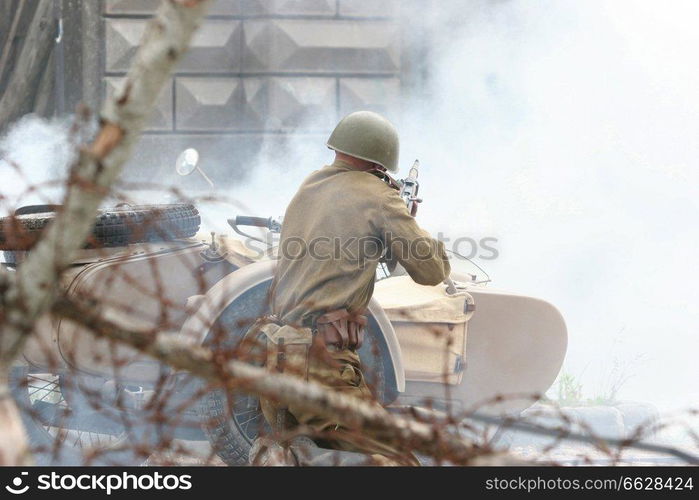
(334, 232)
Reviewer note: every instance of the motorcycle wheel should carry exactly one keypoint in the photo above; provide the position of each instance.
(233, 420)
(63, 429)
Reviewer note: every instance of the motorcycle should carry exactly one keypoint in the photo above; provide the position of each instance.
(458, 346)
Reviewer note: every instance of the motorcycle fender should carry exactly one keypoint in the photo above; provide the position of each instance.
(223, 293)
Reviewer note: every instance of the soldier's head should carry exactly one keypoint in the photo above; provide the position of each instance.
(366, 139)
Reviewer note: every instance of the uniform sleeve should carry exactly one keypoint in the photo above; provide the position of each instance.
(422, 256)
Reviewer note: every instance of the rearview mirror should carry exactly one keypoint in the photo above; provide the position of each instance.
(187, 161)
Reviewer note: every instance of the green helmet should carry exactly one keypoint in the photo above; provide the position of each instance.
(368, 136)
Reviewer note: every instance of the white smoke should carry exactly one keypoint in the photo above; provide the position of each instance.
(569, 131)
(34, 156)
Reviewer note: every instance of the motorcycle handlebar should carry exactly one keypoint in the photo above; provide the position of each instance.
(244, 220)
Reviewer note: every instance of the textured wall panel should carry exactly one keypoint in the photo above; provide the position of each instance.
(122, 37)
(374, 94)
(220, 103)
(130, 6)
(291, 66)
(368, 8)
(215, 47)
(320, 46)
(302, 103)
(162, 114)
(218, 7)
(238, 104)
(289, 7)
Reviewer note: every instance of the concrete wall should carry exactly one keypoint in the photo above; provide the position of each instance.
(258, 70)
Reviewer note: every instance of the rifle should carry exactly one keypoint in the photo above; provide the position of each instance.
(409, 189)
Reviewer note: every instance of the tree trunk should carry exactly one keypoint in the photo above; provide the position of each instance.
(16, 100)
(10, 17)
(43, 100)
(7, 18)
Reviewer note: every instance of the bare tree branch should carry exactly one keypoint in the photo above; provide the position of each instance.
(374, 421)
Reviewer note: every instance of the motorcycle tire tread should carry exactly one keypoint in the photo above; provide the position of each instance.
(113, 227)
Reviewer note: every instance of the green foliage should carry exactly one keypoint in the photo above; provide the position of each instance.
(569, 390)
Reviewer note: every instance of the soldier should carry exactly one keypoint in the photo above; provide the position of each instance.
(341, 221)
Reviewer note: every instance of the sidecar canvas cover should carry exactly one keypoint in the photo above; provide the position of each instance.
(430, 326)
(480, 348)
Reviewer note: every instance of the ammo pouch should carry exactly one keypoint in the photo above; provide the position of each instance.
(288, 349)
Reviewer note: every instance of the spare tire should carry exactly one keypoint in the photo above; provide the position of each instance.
(114, 227)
